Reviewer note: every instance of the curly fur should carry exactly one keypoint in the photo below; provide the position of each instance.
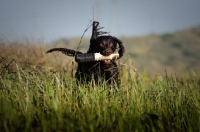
(98, 70)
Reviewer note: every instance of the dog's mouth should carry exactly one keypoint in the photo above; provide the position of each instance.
(107, 61)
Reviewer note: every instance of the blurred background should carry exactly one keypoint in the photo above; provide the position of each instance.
(158, 35)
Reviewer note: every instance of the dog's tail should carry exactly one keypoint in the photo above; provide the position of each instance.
(65, 51)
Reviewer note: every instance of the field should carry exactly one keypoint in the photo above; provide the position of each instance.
(38, 92)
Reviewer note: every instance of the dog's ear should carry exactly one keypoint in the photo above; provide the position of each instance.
(96, 31)
(121, 47)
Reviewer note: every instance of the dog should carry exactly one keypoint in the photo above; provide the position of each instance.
(104, 70)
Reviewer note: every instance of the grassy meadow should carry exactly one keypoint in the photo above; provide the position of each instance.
(38, 92)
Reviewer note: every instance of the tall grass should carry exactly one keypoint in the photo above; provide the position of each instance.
(35, 99)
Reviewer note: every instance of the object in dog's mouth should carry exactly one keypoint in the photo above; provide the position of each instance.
(95, 57)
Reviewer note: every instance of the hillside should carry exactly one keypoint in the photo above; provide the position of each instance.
(175, 52)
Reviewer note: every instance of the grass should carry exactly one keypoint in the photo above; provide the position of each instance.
(36, 99)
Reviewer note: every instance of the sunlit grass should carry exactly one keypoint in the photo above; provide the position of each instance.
(36, 98)
(45, 101)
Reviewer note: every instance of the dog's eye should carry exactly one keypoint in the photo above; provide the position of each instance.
(110, 44)
(101, 45)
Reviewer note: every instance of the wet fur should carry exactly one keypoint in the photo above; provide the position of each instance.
(98, 70)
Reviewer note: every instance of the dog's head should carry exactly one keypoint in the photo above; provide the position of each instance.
(106, 45)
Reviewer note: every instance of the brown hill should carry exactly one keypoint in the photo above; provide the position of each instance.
(175, 52)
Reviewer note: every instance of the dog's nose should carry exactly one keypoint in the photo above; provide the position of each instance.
(107, 52)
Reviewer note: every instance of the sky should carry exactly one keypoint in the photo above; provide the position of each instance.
(50, 20)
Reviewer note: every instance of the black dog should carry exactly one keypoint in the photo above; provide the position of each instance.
(98, 70)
